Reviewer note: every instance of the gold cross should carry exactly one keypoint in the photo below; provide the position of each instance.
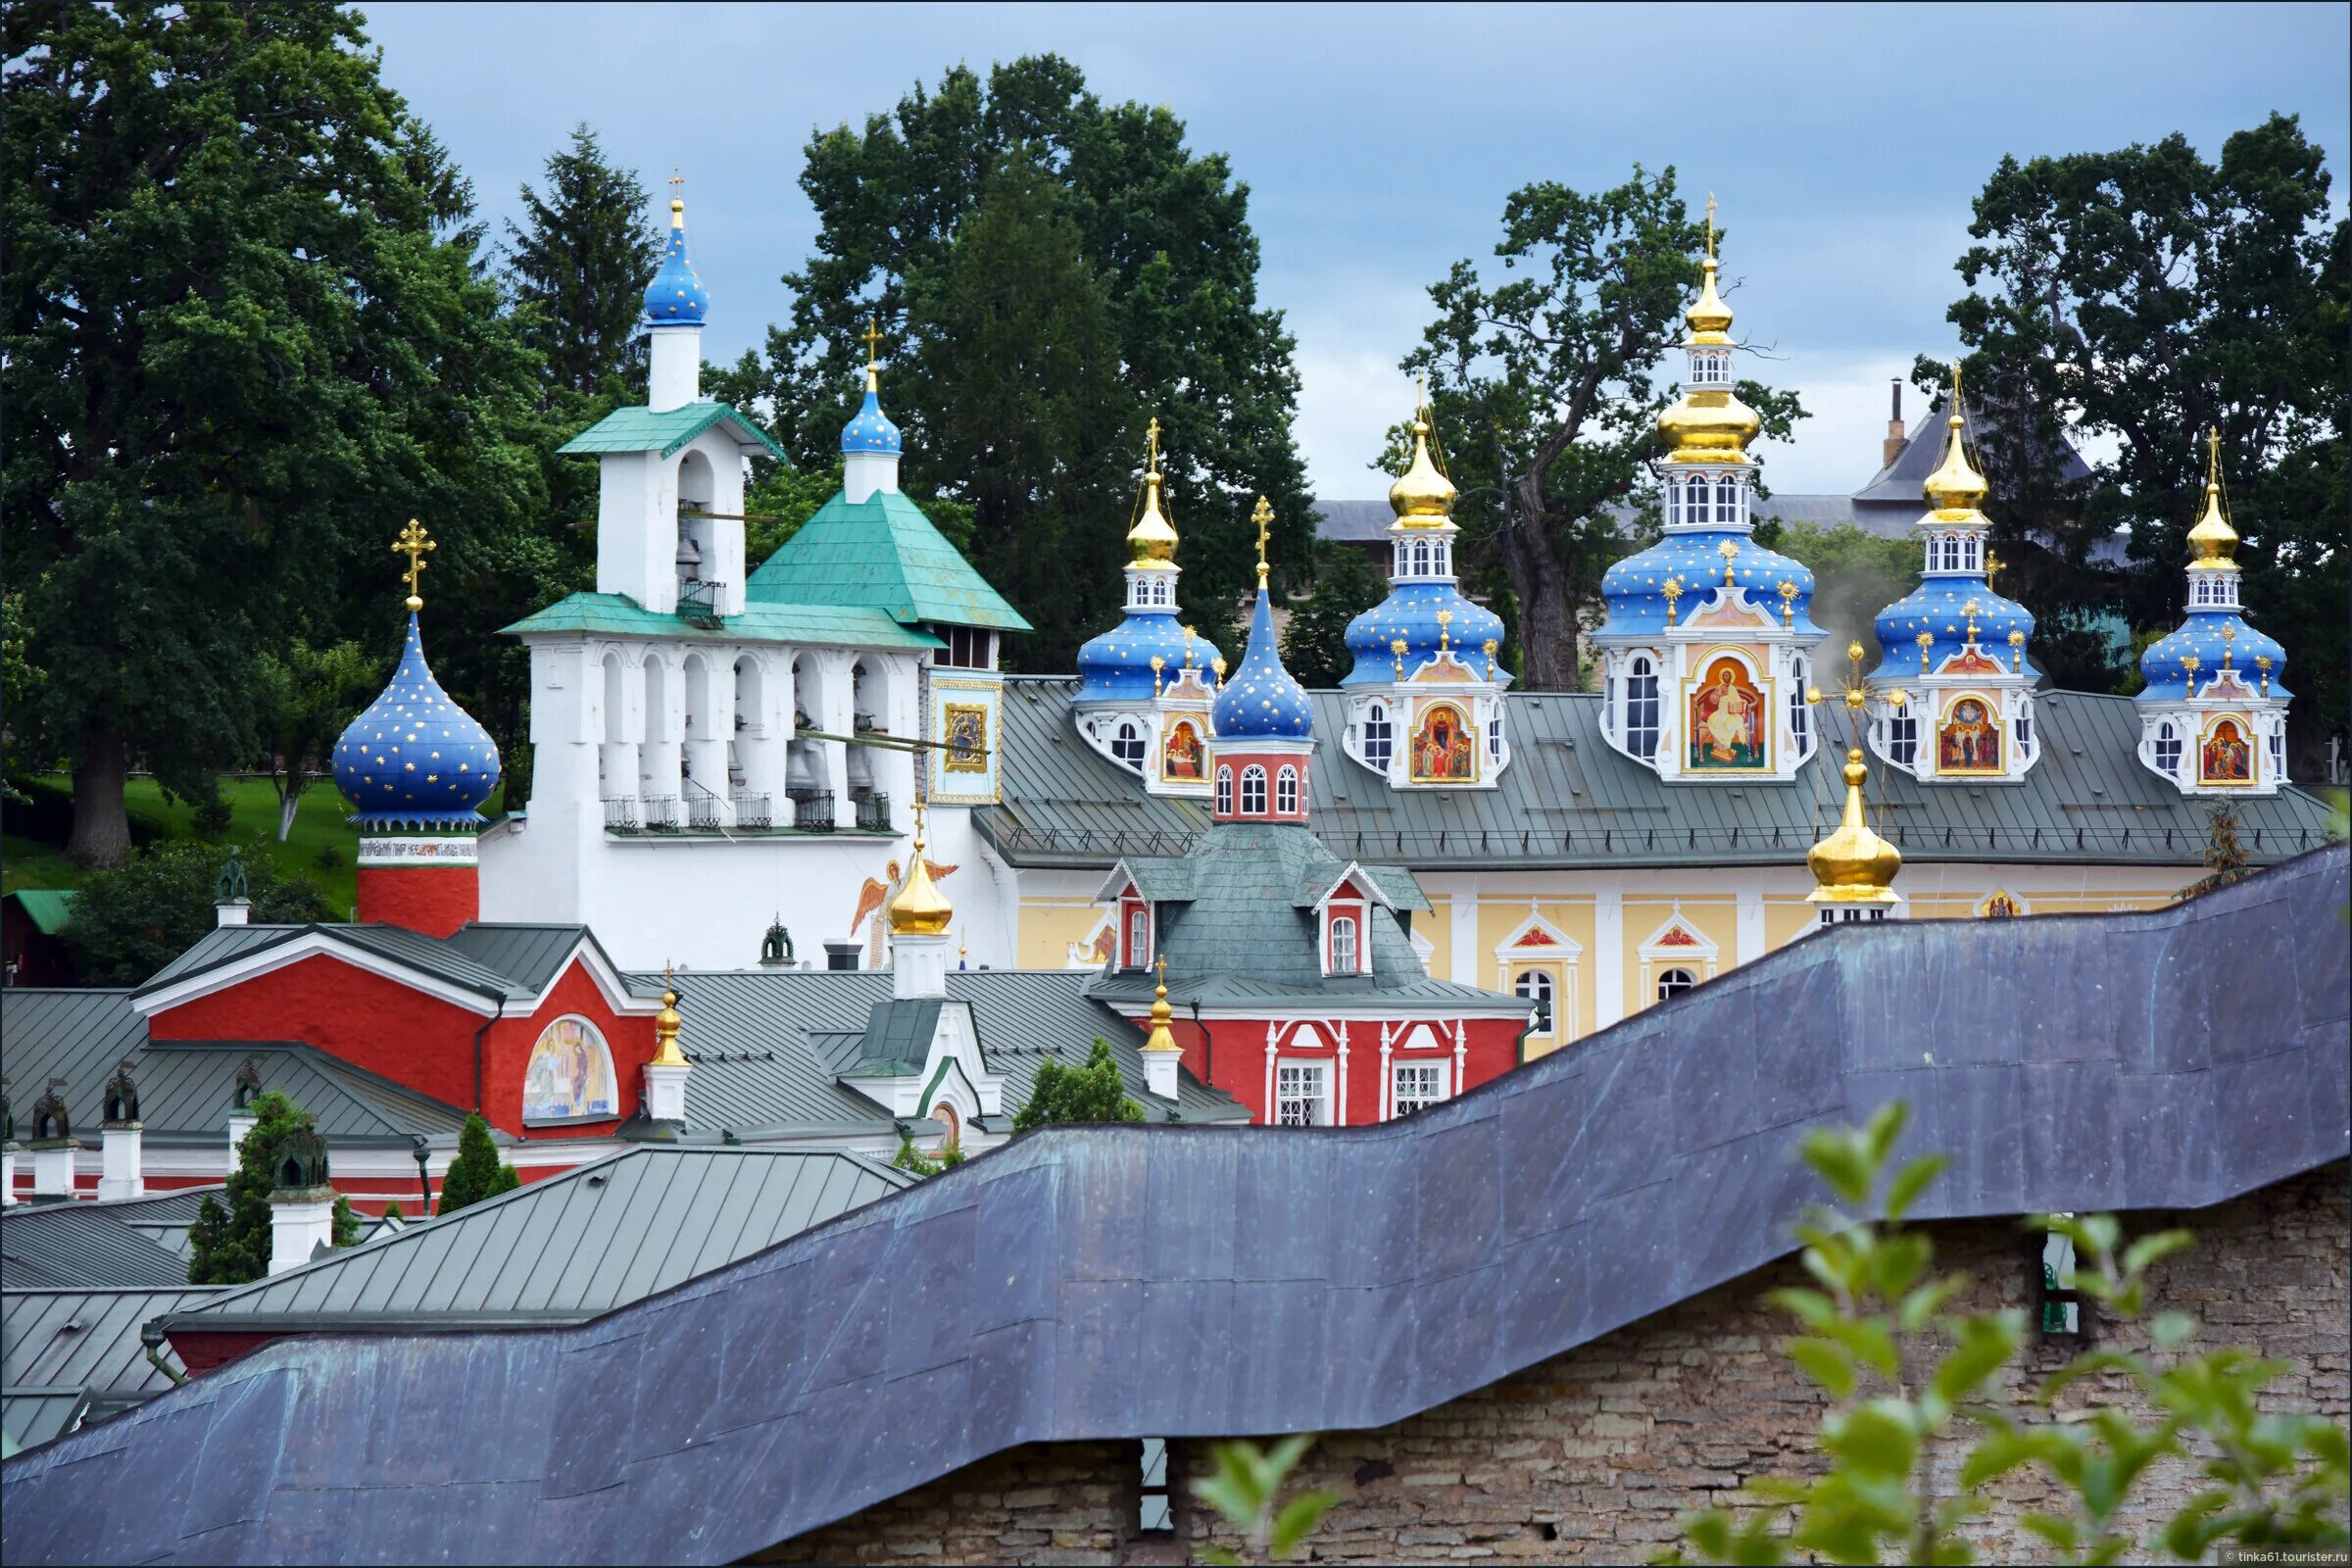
(1671, 588)
(1855, 692)
(872, 335)
(676, 176)
(1711, 225)
(413, 544)
(1263, 516)
(1970, 611)
(1152, 445)
(1162, 965)
(1444, 629)
(1788, 591)
(2213, 449)
(1727, 551)
(1993, 564)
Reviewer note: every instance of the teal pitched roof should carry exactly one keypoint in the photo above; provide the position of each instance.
(881, 553)
(47, 908)
(641, 429)
(617, 615)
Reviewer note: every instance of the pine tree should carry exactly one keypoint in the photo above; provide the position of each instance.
(2226, 857)
(578, 265)
(1094, 1093)
(231, 1246)
(478, 1172)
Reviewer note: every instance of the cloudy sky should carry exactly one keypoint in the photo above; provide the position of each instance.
(1379, 143)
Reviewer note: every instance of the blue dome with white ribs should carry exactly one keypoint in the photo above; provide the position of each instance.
(1409, 614)
(1635, 587)
(414, 757)
(676, 295)
(2206, 636)
(1939, 609)
(1116, 667)
(1259, 700)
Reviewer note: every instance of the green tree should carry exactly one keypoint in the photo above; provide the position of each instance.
(1314, 645)
(1855, 575)
(1545, 397)
(478, 1172)
(911, 1158)
(231, 1246)
(1063, 1095)
(1906, 1377)
(128, 923)
(1165, 233)
(2140, 296)
(577, 265)
(2226, 857)
(1246, 1488)
(309, 694)
(242, 339)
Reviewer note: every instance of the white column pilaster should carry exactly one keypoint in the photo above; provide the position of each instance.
(1608, 957)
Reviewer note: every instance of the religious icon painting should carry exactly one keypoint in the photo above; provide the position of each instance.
(1969, 741)
(967, 738)
(2225, 757)
(2000, 905)
(569, 1075)
(1183, 759)
(1729, 721)
(1444, 750)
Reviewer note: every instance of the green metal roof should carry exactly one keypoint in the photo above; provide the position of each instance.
(881, 553)
(641, 429)
(897, 1039)
(47, 908)
(835, 625)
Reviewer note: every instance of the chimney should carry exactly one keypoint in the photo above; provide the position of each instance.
(302, 1206)
(242, 1119)
(232, 903)
(53, 1145)
(1893, 446)
(120, 1133)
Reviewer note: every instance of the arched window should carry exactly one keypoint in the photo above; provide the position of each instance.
(1139, 937)
(1975, 553)
(1801, 716)
(1534, 987)
(1225, 791)
(1441, 558)
(1425, 557)
(953, 1133)
(1253, 791)
(1343, 944)
(2168, 750)
(1380, 736)
(1674, 982)
(1641, 707)
(2024, 731)
(1673, 504)
(2277, 751)
(1127, 745)
(1726, 501)
(1286, 792)
(1903, 738)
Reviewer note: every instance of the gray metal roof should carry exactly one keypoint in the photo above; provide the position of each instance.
(768, 1044)
(1569, 799)
(528, 954)
(87, 1338)
(1905, 479)
(32, 1416)
(80, 1246)
(1355, 522)
(566, 1249)
(508, 962)
(164, 1218)
(1082, 1284)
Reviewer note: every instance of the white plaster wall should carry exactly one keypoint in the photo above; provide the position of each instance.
(637, 529)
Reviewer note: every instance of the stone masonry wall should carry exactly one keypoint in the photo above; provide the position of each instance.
(1592, 1455)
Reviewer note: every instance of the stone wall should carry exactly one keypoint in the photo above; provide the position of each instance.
(1592, 1455)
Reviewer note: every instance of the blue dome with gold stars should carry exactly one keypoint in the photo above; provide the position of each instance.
(2210, 634)
(416, 758)
(1939, 609)
(1259, 700)
(1116, 667)
(1635, 587)
(1409, 614)
(872, 430)
(675, 294)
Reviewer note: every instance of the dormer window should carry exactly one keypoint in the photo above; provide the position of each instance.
(1343, 944)
(1127, 745)
(1380, 737)
(1136, 932)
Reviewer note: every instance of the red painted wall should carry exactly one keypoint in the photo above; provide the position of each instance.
(1491, 1048)
(510, 1054)
(435, 900)
(202, 1352)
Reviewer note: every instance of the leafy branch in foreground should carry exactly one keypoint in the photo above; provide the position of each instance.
(1901, 1371)
(1244, 1491)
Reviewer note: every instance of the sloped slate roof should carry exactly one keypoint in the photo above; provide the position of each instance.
(565, 1249)
(883, 554)
(639, 428)
(1081, 1283)
(1569, 799)
(1905, 478)
(619, 615)
(70, 1245)
(429, 955)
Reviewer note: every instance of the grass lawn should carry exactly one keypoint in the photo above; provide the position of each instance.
(31, 862)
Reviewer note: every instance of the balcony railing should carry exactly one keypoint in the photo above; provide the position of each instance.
(661, 813)
(873, 813)
(703, 809)
(698, 602)
(812, 811)
(753, 812)
(621, 815)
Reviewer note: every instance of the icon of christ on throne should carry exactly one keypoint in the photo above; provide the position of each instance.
(1727, 719)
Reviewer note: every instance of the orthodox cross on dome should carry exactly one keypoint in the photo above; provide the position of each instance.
(1854, 692)
(1444, 630)
(413, 544)
(1729, 551)
(871, 336)
(1788, 593)
(1711, 225)
(1263, 516)
(1993, 564)
(1971, 609)
(1925, 641)
(1152, 445)
(1671, 588)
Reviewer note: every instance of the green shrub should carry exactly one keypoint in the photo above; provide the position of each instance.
(131, 921)
(478, 1172)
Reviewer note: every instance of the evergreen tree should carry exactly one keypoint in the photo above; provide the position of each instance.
(1314, 645)
(127, 924)
(478, 1172)
(577, 265)
(1093, 1092)
(2226, 857)
(231, 1246)
(242, 340)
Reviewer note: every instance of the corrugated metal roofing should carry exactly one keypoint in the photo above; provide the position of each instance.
(79, 1245)
(1568, 799)
(619, 616)
(638, 428)
(87, 1338)
(428, 956)
(884, 554)
(1089, 1282)
(164, 1218)
(574, 1246)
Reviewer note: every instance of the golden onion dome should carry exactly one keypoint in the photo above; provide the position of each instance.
(2213, 543)
(666, 1024)
(1152, 541)
(1422, 496)
(1853, 864)
(1709, 318)
(1711, 425)
(1162, 1038)
(920, 909)
(1956, 485)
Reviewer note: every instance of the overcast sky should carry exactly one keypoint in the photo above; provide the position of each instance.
(1845, 144)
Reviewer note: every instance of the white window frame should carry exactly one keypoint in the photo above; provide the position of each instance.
(1347, 958)
(1800, 713)
(1431, 1075)
(1674, 981)
(2168, 740)
(1225, 791)
(1534, 987)
(1643, 739)
(1254, 799)
(1380, 737)
(1903, 738)
(1314, 1070)
(1286, 791)
(1127, 736)
(1138, 937)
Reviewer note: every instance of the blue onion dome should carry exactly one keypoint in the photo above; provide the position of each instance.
(1410, 615)
(414, 757)
(1952, 608)
(675, 294)
(1116, 667)
(1694, 563)
(1259, 701)
(2216, 636)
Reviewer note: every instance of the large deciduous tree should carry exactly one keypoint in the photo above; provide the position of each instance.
(2142, 296)
(245, 340)
(1544, 390)
(1022, 166)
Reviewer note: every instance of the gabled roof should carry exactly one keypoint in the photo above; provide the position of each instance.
(71, 1245)
(48, 909)
(1905, 478)
(1390, 886)
(1055, 1290)
(564, 1248)
(897, 1039)
(619, 615)
(1568, 800)
(86, 1340)
(881, 553)
(640, 429)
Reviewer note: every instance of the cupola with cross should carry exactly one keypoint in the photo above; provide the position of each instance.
(2213, 709)
(1853, 868)
(1264, 728)
(1706, 648)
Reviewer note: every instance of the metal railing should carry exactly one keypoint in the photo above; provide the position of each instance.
(703, 809)
(621, 815)
(698, 602)
(873, 813)
(660, 812)
(812, 811)
(753, 812)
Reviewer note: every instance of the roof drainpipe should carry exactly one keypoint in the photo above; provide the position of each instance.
(499, 1010)
(1520, 1045)
(151, 1340)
